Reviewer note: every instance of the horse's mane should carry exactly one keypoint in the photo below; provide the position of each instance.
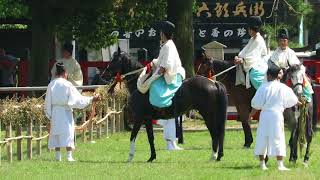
(294, 68)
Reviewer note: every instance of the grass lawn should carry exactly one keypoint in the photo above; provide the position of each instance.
(106, 159)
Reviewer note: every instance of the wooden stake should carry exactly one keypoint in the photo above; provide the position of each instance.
(39, 134)
(19, 143)
(29, 141)
(9, 144)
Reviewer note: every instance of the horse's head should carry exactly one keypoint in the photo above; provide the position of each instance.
(295, 78)
(122, 64)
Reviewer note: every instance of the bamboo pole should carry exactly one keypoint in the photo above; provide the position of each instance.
(99, 128)
(19, 143)
(118, 116)
(84, 130)
(29, 141)
(39, 134)
(121, 116)
(9, 144)
(91, 132)
(113, 125)
(106, 127)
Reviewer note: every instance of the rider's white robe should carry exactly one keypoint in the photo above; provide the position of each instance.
(61, 97)
(170, 60)
(284, 58)
(252, 54)
(272, 98)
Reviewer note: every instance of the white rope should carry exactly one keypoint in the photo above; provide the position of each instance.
(43, 88)
(132, 72)
(222, 72)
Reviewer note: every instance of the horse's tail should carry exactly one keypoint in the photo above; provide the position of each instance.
(221, 115)
(314, 110)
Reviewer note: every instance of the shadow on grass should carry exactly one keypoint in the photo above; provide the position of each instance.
(247, 167)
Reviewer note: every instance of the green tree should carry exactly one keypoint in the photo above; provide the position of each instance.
(88, 22)
(289, 16)
(183, 19)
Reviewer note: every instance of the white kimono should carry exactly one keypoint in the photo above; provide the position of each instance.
(73, 69)
(272, 98)
(61, 98)
(170, 60)
(284, 58)
(252, 54)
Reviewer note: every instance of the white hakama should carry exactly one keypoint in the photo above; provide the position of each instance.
(61, 98)
(272, 98)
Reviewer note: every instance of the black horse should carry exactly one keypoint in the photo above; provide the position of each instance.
(200, 93)
(242, 99)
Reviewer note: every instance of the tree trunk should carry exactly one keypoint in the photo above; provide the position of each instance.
(42, 37)
(181, 14)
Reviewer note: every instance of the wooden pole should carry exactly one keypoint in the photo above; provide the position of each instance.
(39, 134)
(113, 116)
(29, 141)
(9, 144)
(106, 127)
(121, 116)
(118, 116)
(19, 143)
(91, 132)
(85, 129)
(99, 128)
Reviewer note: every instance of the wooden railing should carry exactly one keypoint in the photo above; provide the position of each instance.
(107, 121)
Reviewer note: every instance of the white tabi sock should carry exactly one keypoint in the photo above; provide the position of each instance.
(58, 156)
(69, 156)
(263, 165)
(281, 166)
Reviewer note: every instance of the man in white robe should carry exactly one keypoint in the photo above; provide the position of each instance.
(272, 98)
(162, 90)
(251, 57)
(61, 98)
(71, 65)
(284, 57)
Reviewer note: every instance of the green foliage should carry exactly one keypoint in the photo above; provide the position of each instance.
(13, 26)
(93, 28)
(13, 9)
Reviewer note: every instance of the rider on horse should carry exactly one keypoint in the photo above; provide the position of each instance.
(284, 57)
(168, 65)
(251, 57)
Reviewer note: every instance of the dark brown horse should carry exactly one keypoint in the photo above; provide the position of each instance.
(239, 94)
(200, 93)
(242, 99)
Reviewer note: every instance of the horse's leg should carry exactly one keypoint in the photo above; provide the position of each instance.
(214, 137)
(293, 145)
(242, 103)
(134, 133)
(149, 129)
(307, 155)
(221, 141)
(309, 130)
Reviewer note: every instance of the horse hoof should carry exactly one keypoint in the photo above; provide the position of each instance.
(151, 159)
(214, 156)
(305, 164)
(219, 157)
(247, 145)
(292, 161)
